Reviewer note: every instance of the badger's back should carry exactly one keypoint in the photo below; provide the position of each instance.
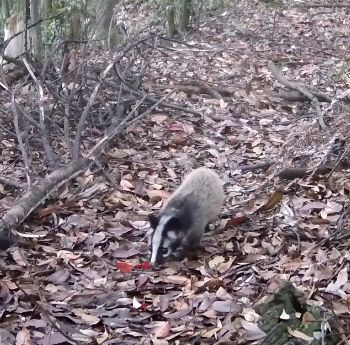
(203, 189)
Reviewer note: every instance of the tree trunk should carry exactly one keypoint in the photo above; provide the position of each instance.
(36, 30)
(185, 14)
(105, 30)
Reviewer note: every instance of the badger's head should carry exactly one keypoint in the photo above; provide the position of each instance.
(168, 232)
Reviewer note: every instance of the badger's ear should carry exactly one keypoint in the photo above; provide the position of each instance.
(154, 220)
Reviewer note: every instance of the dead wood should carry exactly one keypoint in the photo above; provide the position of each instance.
(200, 87)
(43, 128)
(287, 173)
(306, 5)
(294, 96)
(10, 182)
(38, 193)
(153, 100)
(257, 166)
(301, 89)
(293, 173)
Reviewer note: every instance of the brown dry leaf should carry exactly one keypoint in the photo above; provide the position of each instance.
(18, 257)
(157, 195)
(100, 339)
(175, 279)
(300, 335)
(126, 185)
(308, 318)
(252, 331)
(335, 287)
(89, 319)
(159, 118)
(179, 314)
(223, 294)
(59, 277)
(215, 261)
(211, 333)
(250, 315)
(23, 338)
(227, 307)
(274, 199)
(160, 342)
(223, 267)
(163, 330)
(340, 307)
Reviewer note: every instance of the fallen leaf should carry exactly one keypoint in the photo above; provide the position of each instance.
(284, 315)
(135, 303)
(123, 267)
(90, 319)
(342, 279)
(274, 199)
(227, 307)
(215, 261)
(23, 338)
(252, 331)
(300, 335)
(157, 195)
(143, 266)
(163, 330)
(179, 314)
(211, 333)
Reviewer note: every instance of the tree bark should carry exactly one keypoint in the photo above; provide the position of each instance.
(36, 30)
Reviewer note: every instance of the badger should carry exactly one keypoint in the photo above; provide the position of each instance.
(180, 224)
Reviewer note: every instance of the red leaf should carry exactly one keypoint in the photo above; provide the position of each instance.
(123, 267)
(143, 266)
(144, 306)
(236, 221)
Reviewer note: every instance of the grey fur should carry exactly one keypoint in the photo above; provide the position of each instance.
(183, 219)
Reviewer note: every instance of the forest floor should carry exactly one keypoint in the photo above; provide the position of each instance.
(82, 282)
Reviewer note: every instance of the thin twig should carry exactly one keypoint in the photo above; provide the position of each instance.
(20, 140)
(43, 128)
(84, 115)
(298, 87)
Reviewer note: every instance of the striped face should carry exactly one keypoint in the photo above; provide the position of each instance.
(166, 237)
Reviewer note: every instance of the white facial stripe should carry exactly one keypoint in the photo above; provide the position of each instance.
(157, 237)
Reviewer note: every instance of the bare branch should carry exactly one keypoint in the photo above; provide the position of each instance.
(300, 88)
(43, 128)
(84, 115)
(20, 140)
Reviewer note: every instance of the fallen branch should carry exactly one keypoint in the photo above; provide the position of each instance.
(343, 5)
(20, 139)
(43, 189)
(86, 111)
(257, 166)
(38, 193)
(287, 173)
(293, 173)
(200, 87)
(153, 100)
(9, 182)
(301, 89)
(295, 96)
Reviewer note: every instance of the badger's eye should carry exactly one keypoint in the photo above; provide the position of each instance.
(166, 251)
